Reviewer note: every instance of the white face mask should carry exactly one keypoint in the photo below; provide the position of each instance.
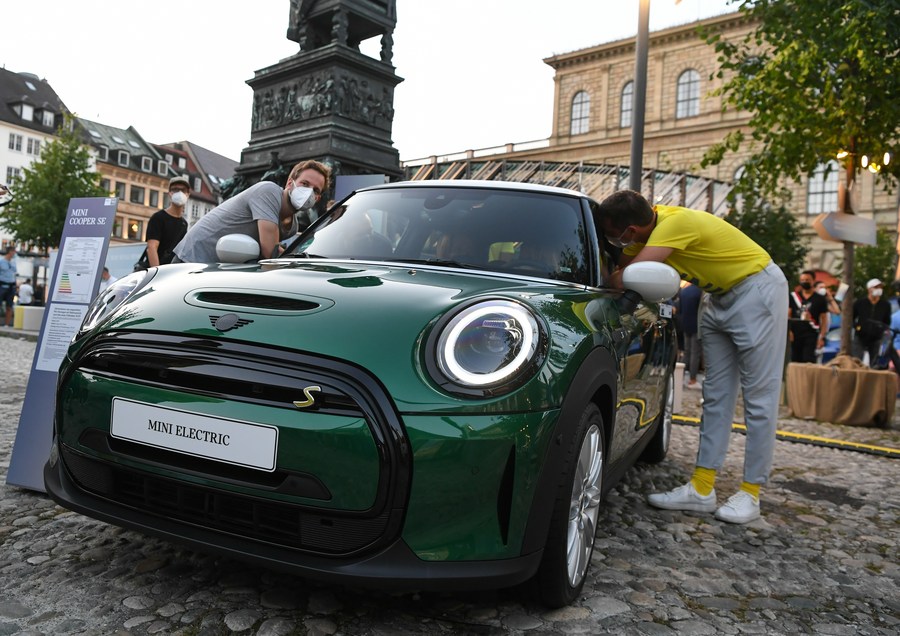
(303, 198)
(618, 242)
(821, 291)
(179, 199)
(877, 292)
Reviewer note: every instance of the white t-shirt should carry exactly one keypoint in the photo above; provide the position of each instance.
(26, 294)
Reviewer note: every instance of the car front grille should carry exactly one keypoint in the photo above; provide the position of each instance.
(125, 473)
(280, 524)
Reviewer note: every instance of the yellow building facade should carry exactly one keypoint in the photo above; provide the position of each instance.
(592, 115)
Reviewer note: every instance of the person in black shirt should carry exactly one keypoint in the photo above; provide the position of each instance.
(807, 313)
(871, 317)
(167, 227)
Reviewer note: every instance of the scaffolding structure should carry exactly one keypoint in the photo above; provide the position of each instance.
(595, 180)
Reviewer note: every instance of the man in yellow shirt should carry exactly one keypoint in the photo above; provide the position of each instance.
(743, 333)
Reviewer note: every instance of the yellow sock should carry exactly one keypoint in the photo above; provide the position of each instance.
(703, 479)
(753, 489)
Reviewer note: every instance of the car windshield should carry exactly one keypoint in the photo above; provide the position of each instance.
(530, 233)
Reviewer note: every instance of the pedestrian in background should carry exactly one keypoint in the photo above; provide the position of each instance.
(871, 318)
(8, 270)
(261, 212)
(743, 332)
(806, 312)
(823, 290)
(26, 293)
(690, 308)
(167, 227)
(106, 279)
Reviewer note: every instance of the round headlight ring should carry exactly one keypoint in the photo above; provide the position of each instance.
(514, 323)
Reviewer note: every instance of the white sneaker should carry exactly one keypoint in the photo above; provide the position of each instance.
(684, 497)
(741, 507)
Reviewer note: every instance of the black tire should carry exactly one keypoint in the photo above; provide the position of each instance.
(573, 524)
(658, 447)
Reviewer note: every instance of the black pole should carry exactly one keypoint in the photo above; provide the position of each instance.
(640, 96)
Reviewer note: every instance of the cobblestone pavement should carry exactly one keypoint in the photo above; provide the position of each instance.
(823, 559)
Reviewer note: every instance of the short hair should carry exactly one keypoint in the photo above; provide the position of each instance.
(624, 208)
(809, 273)
(311, 164)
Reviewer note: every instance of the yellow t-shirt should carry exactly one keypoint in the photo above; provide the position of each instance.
(708, 251)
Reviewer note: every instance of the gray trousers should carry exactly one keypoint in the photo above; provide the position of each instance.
(744, 335)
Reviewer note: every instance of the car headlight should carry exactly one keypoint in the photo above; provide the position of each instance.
(111, 298)
(486, 348)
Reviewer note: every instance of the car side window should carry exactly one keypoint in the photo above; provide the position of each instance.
(608, 254)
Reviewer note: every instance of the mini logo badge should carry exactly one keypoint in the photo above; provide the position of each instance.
(227, 322)
(310, 400)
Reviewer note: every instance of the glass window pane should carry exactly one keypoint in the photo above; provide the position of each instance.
(687, 96)
(581, 113)
(627, 105)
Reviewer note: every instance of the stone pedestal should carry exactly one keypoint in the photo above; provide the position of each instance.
(333, 104)
(328, 102)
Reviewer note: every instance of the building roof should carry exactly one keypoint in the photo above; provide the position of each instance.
(216, 167)
(18, 89)
(116, 138)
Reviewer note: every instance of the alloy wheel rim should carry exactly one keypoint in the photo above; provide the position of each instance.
(584, 507)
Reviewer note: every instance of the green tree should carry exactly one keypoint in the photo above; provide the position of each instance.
(775, 229)
(37, 213)
(875, 261)
(818, 77)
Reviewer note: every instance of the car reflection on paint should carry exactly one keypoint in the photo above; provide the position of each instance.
(432, 388)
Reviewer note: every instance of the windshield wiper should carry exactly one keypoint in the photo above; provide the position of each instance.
(303, 255)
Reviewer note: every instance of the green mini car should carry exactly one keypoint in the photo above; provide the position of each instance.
(430, 388)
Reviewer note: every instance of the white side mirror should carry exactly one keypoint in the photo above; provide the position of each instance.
(655, 282)
(237, 248)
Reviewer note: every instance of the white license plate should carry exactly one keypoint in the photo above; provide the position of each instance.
(230, 441)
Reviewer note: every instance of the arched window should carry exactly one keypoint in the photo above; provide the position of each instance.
(687, 95)
(822, 191)
(581, 113)
(627, 105)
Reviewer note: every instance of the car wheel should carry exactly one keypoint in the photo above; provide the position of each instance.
(573, 524)
(659, 446)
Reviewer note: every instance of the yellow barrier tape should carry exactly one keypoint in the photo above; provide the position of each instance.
(802, 438)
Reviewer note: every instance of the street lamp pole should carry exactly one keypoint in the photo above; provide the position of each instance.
(640, 97)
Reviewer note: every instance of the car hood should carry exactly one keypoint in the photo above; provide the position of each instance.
(375, 316)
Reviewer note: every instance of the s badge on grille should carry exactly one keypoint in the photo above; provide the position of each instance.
(227, 322)
(310, 400)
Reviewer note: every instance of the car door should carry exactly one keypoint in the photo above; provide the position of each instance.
(639, 341)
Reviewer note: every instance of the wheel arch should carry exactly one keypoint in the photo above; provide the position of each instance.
(595, 381)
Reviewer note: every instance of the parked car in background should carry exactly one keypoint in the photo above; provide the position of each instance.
(432, 387)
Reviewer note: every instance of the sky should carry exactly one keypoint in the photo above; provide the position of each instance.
(175, 70)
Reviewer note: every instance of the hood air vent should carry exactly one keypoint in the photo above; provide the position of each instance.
(256, 301)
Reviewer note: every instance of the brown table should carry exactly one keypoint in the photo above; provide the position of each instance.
(842, 393)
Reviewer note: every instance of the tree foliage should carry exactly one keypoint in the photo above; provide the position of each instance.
(875, 261)
(775, 229)
(817, 77)
(37, 213)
